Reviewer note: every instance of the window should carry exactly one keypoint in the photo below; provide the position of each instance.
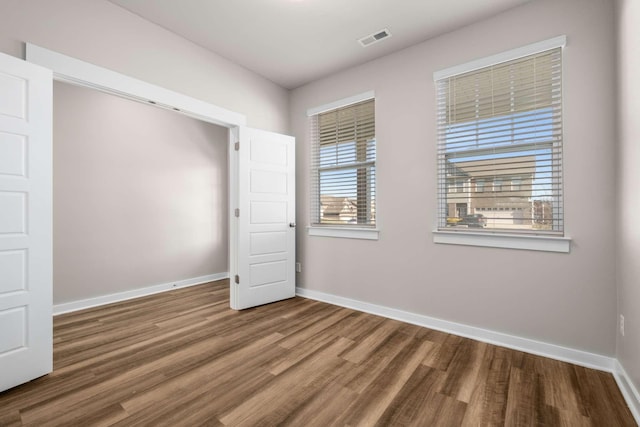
(516, 184)
(501, 124)
(343, 166)
(456, 186)
(497, 185)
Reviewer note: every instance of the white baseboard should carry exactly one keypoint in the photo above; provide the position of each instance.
(565, 354)
(552, 351)
(628, 389)
(68, 307)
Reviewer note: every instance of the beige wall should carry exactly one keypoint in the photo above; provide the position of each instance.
(140, 195)
(628, 349)
(567, 299)
(104, 34)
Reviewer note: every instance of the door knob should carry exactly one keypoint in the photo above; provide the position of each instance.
(292, 224)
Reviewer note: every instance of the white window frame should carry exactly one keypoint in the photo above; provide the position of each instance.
(523, 241)
(346, 232)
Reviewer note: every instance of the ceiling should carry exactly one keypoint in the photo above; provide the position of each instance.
(293, 42)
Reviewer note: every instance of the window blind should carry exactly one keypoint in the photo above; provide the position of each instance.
(343, 166)
(499, 132)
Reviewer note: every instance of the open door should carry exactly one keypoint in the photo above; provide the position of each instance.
(26, 345)
(262, 204)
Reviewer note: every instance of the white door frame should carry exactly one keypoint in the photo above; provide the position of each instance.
(80, 73)
(74, 71)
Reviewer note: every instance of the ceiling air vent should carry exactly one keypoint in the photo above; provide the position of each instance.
(374, 38)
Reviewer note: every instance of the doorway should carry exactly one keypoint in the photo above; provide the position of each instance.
(28, 113)
(275, 204)
(140, 197)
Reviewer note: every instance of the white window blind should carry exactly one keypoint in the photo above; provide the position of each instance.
(500, 133)
(343, 166)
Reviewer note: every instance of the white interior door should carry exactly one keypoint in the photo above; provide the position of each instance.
(26, 346)
(263, 226)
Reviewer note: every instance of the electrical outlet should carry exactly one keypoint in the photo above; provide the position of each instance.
(621, 325)
(298, 267)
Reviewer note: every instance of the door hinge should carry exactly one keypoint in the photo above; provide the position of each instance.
(237, 146)
(237, 213)
(237, 279)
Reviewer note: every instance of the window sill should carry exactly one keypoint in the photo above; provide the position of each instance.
(345, 232)
(506, 241)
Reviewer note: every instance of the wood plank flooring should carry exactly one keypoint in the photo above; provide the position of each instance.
(183, 358)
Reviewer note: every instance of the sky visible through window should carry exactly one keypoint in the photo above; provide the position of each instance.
(514, 135)
(339, 166)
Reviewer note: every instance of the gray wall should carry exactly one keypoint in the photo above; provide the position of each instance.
(140, 195)
(567, 299)
(104, 34)
(628, 350)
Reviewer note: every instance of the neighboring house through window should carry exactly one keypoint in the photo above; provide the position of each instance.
(500, 126)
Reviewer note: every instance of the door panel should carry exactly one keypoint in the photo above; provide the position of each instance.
(263, 235)
(268, 273)
(268, 212)
(268, 182)
(13, 152)
(13, 334)
(25, 222)
(13, 271)
(269, 242)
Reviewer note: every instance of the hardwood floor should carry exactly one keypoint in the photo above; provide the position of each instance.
(183, 358)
